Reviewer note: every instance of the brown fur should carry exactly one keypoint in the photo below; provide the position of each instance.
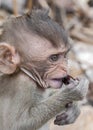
(33, 61)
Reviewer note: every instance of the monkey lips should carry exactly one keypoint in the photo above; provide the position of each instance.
(58, 82)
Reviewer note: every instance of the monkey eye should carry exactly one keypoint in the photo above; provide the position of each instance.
(54, 57)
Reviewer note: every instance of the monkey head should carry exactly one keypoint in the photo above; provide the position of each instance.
(49, 63)
(39, 49)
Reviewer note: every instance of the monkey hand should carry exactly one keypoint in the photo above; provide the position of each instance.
(76, 90)
(69, 116)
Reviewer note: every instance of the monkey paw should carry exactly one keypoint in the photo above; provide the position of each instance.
(69, 116)
(76, 90)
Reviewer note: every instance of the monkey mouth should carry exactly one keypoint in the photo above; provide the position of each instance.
(58, 82)
(55, 82)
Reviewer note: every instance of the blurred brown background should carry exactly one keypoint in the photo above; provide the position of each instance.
(77, 17)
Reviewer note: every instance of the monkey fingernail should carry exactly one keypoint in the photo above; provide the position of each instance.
(62, 122)
(61, 117)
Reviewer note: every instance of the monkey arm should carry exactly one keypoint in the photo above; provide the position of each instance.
(34, 117)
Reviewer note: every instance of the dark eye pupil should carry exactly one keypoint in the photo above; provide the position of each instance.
(54, 57)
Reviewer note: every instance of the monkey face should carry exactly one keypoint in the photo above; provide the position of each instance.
(49, 64)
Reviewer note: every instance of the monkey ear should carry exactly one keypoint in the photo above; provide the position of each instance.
(9, 58)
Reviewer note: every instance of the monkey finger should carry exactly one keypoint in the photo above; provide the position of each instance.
(69, 118)
(62, 122)
(80, 91)
(61, 116)
(82, 88)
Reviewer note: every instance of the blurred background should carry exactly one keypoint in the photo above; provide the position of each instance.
(77, 18)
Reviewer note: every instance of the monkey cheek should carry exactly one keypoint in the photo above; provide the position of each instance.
(55, 84)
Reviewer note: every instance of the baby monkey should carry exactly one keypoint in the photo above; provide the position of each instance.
(33, 60)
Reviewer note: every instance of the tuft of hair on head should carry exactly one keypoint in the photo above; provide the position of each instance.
(38, 22)
(38, 14)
